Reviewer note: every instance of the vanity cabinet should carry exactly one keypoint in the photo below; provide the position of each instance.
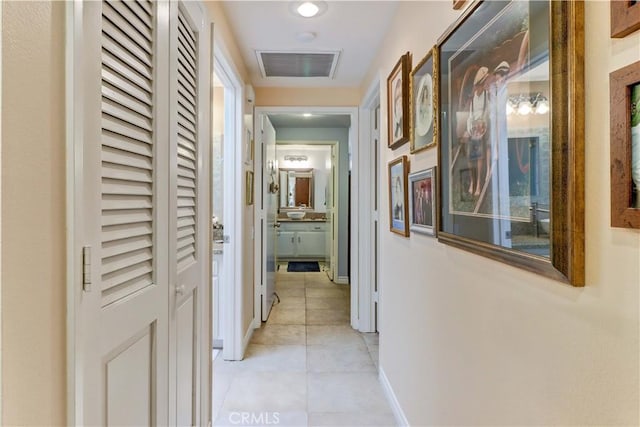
(302, 240)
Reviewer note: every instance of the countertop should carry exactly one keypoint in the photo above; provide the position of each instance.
(301, 220)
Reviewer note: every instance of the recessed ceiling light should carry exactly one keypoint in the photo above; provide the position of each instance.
(308, 9)
(306, 115)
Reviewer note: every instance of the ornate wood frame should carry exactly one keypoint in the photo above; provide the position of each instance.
(402, 67)
(566, 262)
(621, 81)
(405, 180)
(625, 18)
(433, 56)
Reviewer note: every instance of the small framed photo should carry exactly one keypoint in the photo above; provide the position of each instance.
(625, 17)
(398, 199)
(424, 102)
(422, 201)
(398, 103)
(625, 146)
(249, 188)
(248, 148)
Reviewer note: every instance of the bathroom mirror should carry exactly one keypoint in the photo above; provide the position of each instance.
(296, 188)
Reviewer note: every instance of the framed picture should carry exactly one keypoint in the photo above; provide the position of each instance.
(503, 194)
(424, 103)
(625, 146)
(249, 188)
(625, 17)
(422, 201)
(398, 102)
(457, 4)
(248, 148)
(398, 200)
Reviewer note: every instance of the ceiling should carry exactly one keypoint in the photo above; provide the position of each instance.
(280, 121)
(355, 28)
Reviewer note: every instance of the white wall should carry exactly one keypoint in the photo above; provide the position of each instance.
(342, 136)
(470, 341)
(319, 157)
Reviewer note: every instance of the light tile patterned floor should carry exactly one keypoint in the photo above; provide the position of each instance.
(305, 366)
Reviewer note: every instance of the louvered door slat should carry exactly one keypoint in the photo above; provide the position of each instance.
(122, 143)
(185, 97)
(184, 103)
(115, 95)
(123, 9)
(187, 173)
(117, 126)
(146, 5)
(138, 34)
(138, 8)
(186, 163)
(116, 50)
(127, 149)
(118, 234)
(186, 114)
(122, 82)
(110, 249)
(189, 55)
(114, 33)
(186, 32)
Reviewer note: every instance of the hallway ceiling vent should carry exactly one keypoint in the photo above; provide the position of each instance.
(297, 64)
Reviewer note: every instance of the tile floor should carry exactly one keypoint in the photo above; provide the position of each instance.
(305, 366)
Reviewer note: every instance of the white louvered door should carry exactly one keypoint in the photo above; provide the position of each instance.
(123, 315)
(189, 216)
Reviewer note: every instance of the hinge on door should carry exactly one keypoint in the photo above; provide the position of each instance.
(86, 268)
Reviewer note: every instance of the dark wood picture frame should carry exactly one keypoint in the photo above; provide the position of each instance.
(625, 17)
(424, 79)
(398, 86)
(621, 82)
(398, 192)
(565, 262)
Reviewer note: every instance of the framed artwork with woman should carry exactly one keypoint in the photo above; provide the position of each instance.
(398, 196)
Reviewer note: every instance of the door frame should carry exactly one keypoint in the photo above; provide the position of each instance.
(355, 210)
(232, 273)
(366, 259)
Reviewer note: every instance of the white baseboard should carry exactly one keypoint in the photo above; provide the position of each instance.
(342, 280)
(393, 400)
(246, 339)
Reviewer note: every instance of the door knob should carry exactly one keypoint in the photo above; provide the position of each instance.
(180, 290)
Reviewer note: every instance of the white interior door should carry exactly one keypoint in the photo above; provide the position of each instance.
(122, 312)
(332, 226)
(189, 215)
(375, 180)
(270, 179)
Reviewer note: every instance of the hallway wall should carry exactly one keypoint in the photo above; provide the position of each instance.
(33, 214)
(307, 97)
(468, 340)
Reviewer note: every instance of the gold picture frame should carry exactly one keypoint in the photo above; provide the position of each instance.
(398, 97)
(476, 213)
(423, 84)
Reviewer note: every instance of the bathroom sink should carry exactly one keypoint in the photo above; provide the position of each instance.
(296, 214)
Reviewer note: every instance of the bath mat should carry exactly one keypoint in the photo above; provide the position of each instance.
(303, 266)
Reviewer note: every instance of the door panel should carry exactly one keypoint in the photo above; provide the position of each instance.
(122, 319)
(131, 365)
(189, 215)
(271, 212)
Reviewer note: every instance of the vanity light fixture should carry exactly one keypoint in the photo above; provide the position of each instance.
(525, 104)
(296, 158)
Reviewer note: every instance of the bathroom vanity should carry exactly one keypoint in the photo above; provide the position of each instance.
(304, 239)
